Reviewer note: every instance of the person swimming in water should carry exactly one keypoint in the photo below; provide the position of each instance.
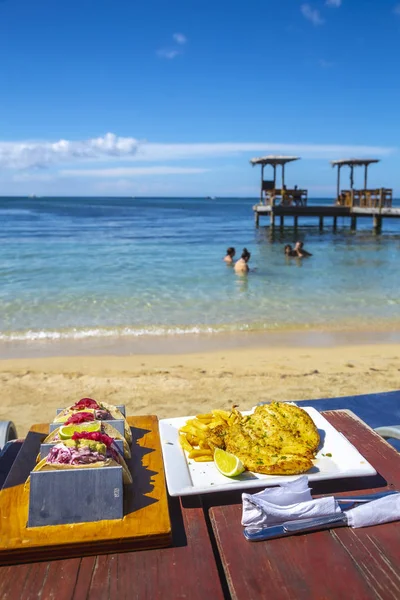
(299, 249)
(230, 253)
(241, 265)
(289, 251)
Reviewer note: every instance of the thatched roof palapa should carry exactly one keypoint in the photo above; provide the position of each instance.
(273, 160)
(354, 162)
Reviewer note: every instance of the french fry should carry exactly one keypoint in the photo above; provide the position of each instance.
(192, 439)
(204, 444)
(216, 422)
(200, 452)
(193, 431)
(193, 423)
(223, 414)
(204, 417)
(199, 424)
(194, 435)
(185, 443)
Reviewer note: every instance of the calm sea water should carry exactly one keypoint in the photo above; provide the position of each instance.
(81, 267)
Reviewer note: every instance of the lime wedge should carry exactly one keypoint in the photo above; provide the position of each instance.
(228, 464)
(67, 431)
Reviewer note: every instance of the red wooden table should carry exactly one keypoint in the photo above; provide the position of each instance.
(210, 559)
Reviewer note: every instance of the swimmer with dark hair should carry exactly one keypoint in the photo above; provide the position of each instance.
(299, 249)
(230, 253)
(241, 265)
(289, 251)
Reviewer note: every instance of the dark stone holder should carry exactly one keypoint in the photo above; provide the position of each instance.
(75, 496)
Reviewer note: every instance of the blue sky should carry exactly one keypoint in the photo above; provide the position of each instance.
(118, 97)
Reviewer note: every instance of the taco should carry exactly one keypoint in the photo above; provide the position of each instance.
(102, 426)
(100, 411)
(83, 451)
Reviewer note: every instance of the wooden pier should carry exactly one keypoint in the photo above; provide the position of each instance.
(322, 213)
(281, 202)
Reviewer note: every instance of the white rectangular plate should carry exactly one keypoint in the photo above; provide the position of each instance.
(185, 477)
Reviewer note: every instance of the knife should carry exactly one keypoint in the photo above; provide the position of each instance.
(313, 524)
(299, 526)
(346, 502)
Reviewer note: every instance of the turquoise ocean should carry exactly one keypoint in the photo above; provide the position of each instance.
(74, 268)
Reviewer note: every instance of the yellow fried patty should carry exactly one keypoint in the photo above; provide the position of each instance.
(277, 439)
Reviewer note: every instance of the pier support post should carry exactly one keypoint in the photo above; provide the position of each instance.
(256, 218)
(353, 224)
(334, 223)
(272, 218)
(377, 222)
(321, 223)
(295, 221)
(282, 221)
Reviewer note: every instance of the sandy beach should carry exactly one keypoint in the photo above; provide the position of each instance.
(187, 383)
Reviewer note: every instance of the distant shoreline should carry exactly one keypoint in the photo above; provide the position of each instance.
(253, 199)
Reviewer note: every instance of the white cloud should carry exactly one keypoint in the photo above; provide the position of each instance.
(334, 3)
(326, 64)
(174, 51)
(180, 38)
(168, 53)
(312, 14)
(396, 9)
(131, 172)
(28, 155)
(25, 155)
(157, 152)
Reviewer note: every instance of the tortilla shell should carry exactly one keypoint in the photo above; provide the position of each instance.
(106, 427)
(113, 410)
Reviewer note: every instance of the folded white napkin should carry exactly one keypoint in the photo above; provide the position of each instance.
(292, 500)
(287, 502)
(376, 512)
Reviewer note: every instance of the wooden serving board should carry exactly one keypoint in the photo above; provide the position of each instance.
(146, 523)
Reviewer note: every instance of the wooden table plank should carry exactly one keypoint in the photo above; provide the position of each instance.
(312, 566)
(375, 550)
(323, 564)
(11, 575)
(186, 570)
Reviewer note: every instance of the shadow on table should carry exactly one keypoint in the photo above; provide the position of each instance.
(7, 458)
(179, 537)
(135, 496)
(333, 486)
(25, 460)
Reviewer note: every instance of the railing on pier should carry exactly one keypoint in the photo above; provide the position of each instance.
(380, 198)
(285, 197)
